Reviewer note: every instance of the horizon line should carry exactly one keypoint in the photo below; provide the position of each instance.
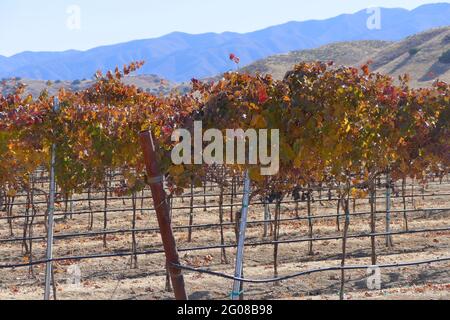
(215, 33)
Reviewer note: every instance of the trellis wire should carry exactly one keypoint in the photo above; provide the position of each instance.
(388, 233)
(211, 247)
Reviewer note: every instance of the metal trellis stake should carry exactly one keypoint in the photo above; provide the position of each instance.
(50, 219)
(161, 205)
(235, 295)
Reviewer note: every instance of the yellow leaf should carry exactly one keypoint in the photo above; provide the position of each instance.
(286, 152)
(176, 170)
(259, 122)
(255, 175)
(253, 106)
(298, 161)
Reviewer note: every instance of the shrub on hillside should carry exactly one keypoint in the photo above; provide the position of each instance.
(446, 39)
(445, 57)
(413, 51)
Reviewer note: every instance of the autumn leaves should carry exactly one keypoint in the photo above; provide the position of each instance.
(336, 124)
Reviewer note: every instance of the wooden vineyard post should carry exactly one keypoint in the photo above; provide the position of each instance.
(405, 215)
(310, 223)
(50, 219)
(373, 212)
(344, 245)
(155, 180)
(191, 211)
(266, 218)
(389, 242)
(223, 257)
(236, 293)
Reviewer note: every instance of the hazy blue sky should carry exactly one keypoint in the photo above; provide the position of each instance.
(43, 25)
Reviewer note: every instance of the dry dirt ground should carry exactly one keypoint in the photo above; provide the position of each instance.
(113, 277)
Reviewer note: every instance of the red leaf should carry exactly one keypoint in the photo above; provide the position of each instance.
(234, 58)
(262, 95)
(365, 69)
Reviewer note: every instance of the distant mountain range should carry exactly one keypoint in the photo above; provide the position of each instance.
(418, 56)
(179, 56)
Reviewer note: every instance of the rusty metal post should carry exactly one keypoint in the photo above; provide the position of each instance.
(155, 180)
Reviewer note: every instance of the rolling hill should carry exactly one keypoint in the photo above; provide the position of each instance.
(417, 55)
(150, 83)
(341, 53)
(180, 56)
